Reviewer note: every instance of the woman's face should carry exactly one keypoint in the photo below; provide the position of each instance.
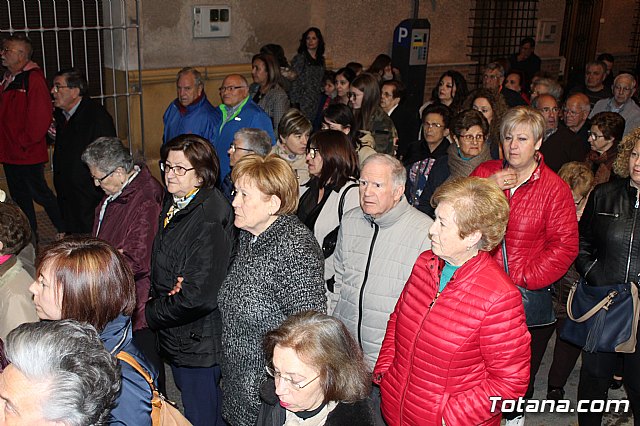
(342, 85)
(111, 183)
(471, 141)
(634, 164)
(330, 125)
(520, 147)
(597, 140)
(446, 90)
(445, 236)
(312, 40)
(259, 72)
(329, 88)
(180, 185)
(314, 161)
(296, 143)
(483, 105)
(254, 210)
(291, 371)
(47, 296)
(356, 97)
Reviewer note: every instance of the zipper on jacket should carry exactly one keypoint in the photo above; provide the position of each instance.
(633, 230)
(612, 214)
(364, 281)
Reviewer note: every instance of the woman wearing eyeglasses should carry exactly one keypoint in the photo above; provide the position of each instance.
(469, 150)
(332, 191)
(493, 107)
(191, 254)
(422, 154)
(607, 129)
(318, 375)
(293, 134)
(127, 218)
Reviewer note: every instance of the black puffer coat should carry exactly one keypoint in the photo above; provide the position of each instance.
(198, 245)
(610, 235)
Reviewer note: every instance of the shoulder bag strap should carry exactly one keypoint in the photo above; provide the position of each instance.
(604, 303)
(341, 204)
(126, 357)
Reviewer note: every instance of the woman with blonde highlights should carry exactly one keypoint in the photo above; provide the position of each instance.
(458, 334)
(278, 271)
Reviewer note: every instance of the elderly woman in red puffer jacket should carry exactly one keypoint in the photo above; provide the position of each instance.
(458, 334)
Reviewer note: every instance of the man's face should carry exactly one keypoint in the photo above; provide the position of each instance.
(187, 89)
(387, 101)
(378, 194)
(233, 90)
(623, 89)
(594, 76)
(575, 113)
(526, 50)
(64, 97)
(492, 80)
(14, 55)
(21, 400)
(548, 106)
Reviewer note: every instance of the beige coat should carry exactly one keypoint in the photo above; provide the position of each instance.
(16, 304)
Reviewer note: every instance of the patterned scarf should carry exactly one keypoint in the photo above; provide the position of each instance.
(179, 203)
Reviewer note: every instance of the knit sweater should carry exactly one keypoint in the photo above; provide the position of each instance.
(274, 275)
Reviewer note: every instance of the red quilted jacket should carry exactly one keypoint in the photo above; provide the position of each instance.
(444, 355)
(542, 234)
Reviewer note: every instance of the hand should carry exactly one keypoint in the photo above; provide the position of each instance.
(177, 287)
(121, 251)
(505, 179)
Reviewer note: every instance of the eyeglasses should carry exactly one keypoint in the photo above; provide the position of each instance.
(295, 385)
(489, 77)
(98, 181)
(593, 135)
(428, 125)
(230, 88)
(177, 170)
(6, 49)
(234, 148)
(547, 110)
(312, 152)
(57, 88)
(567, 111)
(470, 138)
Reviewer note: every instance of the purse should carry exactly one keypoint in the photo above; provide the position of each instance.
(602, 318)
(538, 304)
(330, 240)
(163, 412)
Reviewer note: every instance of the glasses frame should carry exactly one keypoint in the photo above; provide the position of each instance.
(56, 88)
(165, 168)
(470, 138)
(591, 135)
(277, 376)
(98, 181)
(233, 148)
(432, 125)
(224, 89)
(312, 152)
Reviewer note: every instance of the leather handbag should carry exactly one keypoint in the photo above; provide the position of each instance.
(330, 240)
(602, 318)
(163, 412)
(538, 304)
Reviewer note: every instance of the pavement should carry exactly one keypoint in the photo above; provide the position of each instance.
(47, 234)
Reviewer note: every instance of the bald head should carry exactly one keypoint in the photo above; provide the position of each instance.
(624, 86)
(576, 110)
(234, 89)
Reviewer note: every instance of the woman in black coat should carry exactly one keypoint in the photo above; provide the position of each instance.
(191, 253)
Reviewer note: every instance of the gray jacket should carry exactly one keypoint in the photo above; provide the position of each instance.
(372, 261)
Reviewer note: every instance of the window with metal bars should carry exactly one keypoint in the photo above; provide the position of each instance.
(64, 34)
(496, 28)
(634, 37)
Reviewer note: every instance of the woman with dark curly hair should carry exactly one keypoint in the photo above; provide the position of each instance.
(309, 66)
(493, 107)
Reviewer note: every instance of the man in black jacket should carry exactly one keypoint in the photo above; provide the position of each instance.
(79, 121)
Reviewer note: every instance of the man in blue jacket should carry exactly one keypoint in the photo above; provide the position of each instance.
(191, 112)
(237, 112)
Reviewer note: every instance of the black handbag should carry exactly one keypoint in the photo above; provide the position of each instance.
(602, 318)
(330, 240)
(538, 304)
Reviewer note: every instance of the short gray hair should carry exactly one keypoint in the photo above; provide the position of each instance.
(626, 75)
(81, 377)
(107, 154)
(398, 172)
(495, 66)
(196, 74)
(257, 140)
(554, 87)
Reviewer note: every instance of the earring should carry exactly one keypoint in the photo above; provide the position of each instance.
(269, 212)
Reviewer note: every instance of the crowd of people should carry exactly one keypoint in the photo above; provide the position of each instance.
(322, 252)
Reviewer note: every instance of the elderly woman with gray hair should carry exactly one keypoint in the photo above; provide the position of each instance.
(127, 218)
